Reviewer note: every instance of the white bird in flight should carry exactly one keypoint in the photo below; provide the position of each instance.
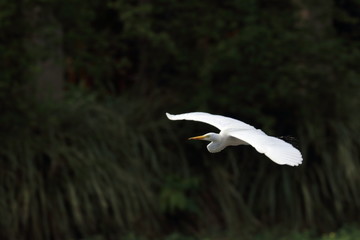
(234, 132)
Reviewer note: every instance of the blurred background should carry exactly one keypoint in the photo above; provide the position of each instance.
(88, 154)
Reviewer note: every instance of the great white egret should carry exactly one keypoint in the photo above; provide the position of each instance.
(234, 132)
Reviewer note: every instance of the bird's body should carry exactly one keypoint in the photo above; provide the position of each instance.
(234, 132)
(222, 140)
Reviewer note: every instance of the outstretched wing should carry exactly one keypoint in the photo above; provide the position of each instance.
(217, 121)
(274, 148)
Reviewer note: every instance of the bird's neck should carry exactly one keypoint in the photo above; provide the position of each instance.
(215, 137)
(217, 144)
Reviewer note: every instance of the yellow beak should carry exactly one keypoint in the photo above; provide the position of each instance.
(197, 137)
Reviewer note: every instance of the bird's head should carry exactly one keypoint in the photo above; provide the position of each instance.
(216, 145)
(206, 137)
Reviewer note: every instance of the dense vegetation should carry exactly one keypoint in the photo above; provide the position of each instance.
(95, 157)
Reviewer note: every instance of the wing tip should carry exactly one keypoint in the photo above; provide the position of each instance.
(295, 163)
(169, 116)
(292, 160)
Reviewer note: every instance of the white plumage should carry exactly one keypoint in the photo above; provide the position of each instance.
(234, 132)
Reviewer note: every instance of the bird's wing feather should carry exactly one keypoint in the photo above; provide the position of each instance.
(274, 148)
(217, 121)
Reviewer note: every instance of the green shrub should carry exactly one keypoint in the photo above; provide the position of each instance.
(79, 168)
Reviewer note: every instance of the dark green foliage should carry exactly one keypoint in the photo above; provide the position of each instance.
(81, 169)
(93, 168)
(98, 167)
